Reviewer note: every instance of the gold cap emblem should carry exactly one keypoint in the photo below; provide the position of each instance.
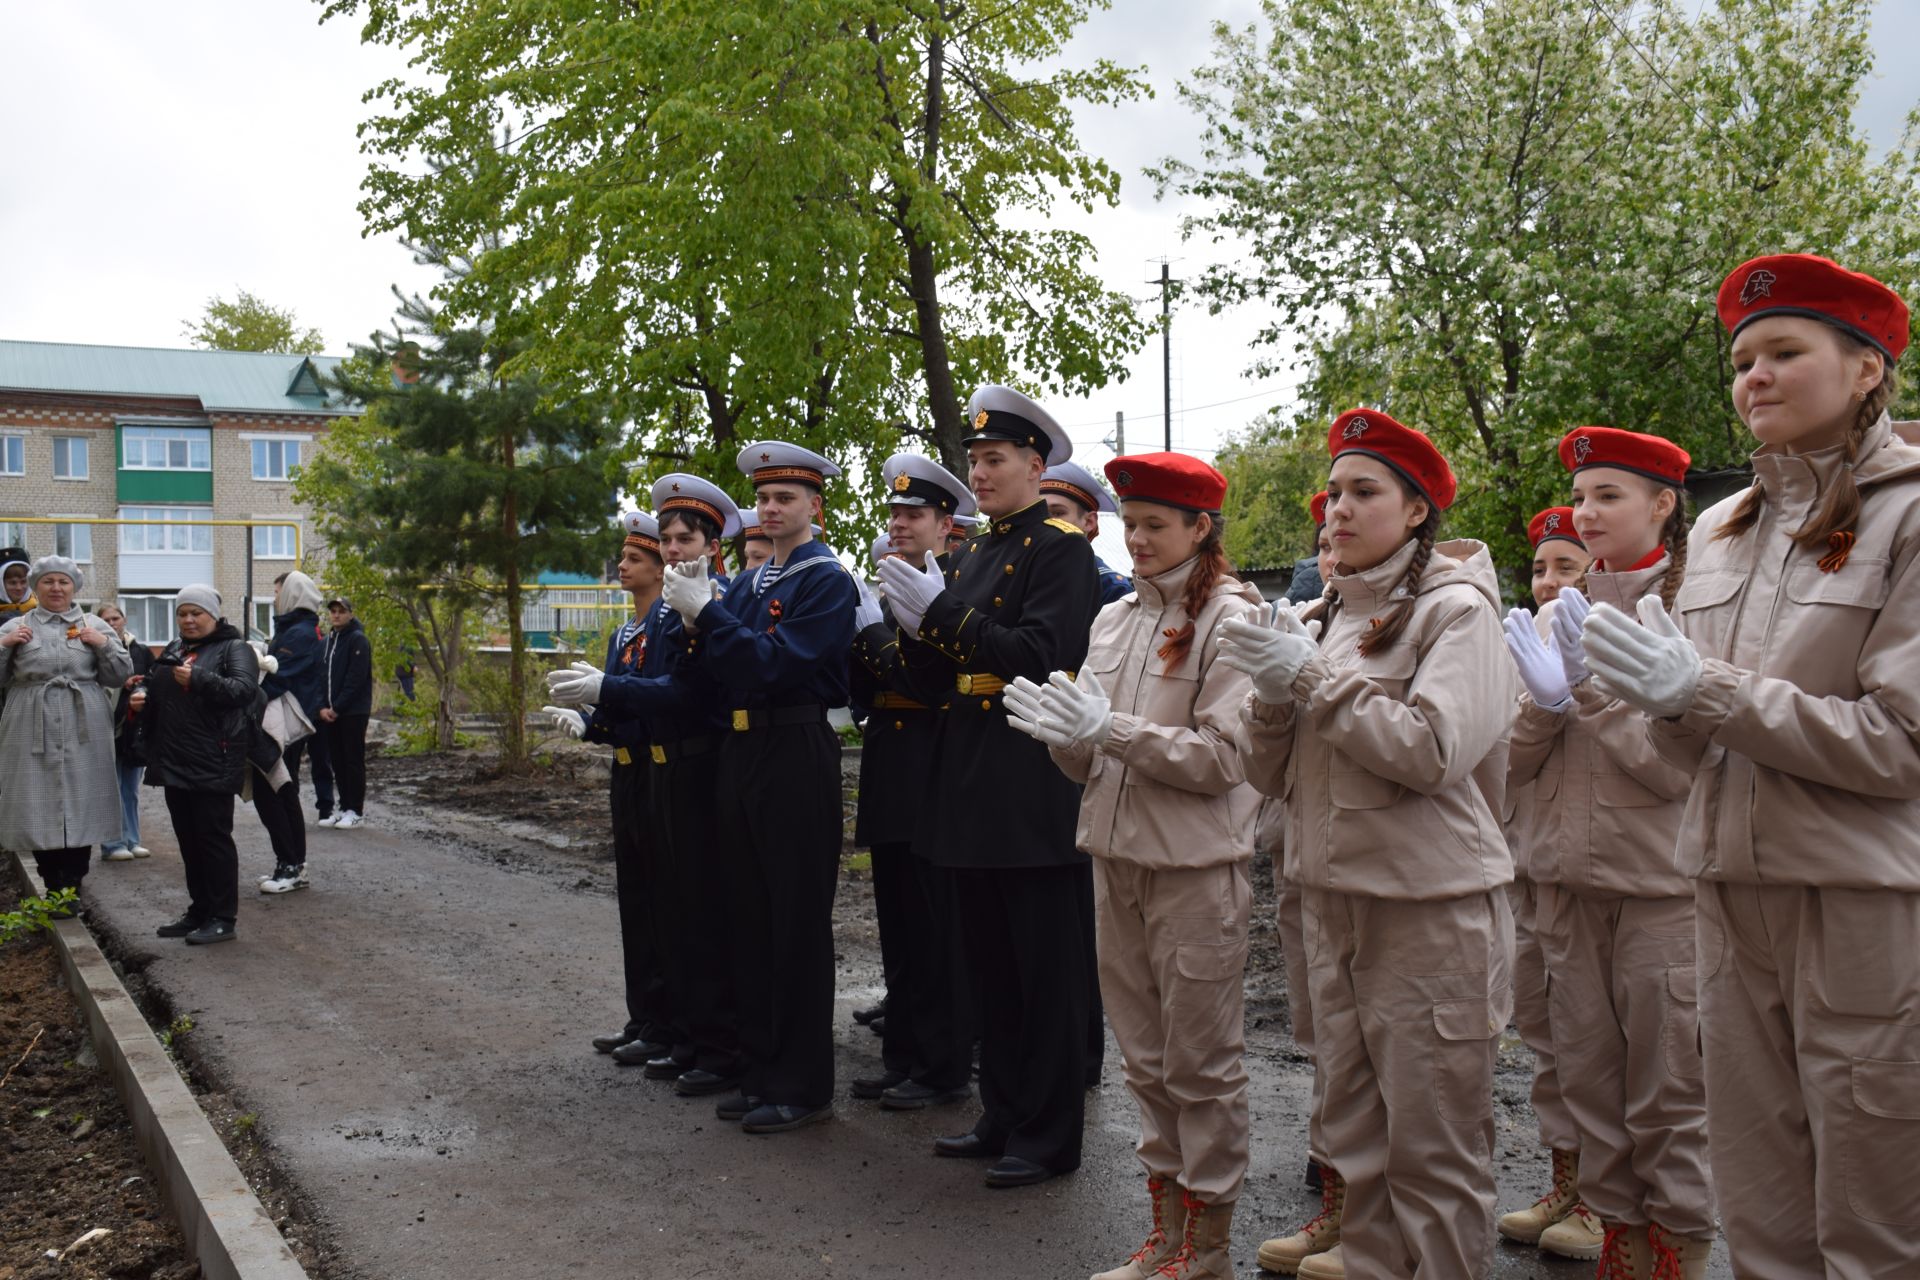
(900, 482)
(980, 420)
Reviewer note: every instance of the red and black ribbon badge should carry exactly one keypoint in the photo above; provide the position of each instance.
(773, 611)
(635, 654)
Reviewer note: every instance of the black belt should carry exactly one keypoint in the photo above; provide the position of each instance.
(768, 717)
(685, 749)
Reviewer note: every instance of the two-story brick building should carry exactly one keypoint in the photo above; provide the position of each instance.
(134, 433)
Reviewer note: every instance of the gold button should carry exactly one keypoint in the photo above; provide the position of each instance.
(975, 547)
(899, 725)
(996, 602)
(1009, 568)
(1027, 543)
(986, 704)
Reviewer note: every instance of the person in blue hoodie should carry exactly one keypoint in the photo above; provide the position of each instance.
(299, 649)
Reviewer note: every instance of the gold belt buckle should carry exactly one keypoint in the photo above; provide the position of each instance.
(964, 682)
(658, 752)
(740, 721)
(622, 755)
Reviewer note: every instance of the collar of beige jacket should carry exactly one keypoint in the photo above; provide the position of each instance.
(1623, 590)
(1370, 587)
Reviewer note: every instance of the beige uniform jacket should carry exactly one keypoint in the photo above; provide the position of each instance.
(1606, 805)
(1394, 766)
(1166, 788)
(1803, 738)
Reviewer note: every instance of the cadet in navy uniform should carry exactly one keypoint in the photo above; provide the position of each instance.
(963, 527)
(755, 550)
(652, 1028)
(774, 648)
(1018, 601)
(1075, 496)
(927, 1034)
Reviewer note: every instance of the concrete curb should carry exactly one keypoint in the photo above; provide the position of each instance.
(226, 1227)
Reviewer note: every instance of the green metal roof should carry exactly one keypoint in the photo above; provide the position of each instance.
(240, 381)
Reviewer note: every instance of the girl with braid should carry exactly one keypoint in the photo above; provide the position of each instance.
(1784, 688)
(1384, 726)
(1614, 914)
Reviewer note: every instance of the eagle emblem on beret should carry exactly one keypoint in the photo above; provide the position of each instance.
(980, 420)
(1582, 449)
(1552, 524)
(1123, 478)
(1759, 285)
(900, 482)
(1356, 428)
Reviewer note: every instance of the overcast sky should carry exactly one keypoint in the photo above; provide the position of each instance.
(158, 154)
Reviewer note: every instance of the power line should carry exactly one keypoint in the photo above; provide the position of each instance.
(1101, 422)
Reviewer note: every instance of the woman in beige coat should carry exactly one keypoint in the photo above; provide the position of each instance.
(1614, 915)
(1150, 729)
(1787, 692)
(1387, 737)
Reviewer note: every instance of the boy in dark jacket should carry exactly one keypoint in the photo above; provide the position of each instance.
(345, 706)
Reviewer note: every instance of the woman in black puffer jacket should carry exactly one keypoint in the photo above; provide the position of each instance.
(198, 712)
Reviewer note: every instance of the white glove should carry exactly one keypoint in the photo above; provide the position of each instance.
(1650, 665)
(911, 590)
(1570, 611)
(1077, 709)
(576, 686)
(687, 589)
(269, 664)
(1540, 666)
(571, 723)
(1271, 646)
(867, 612)
(1026, 704)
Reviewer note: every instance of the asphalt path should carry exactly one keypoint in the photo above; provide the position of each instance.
(411, 1033)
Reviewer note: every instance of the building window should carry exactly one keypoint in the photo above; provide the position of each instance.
(275, 459)
(166, 448)
(69, 457)
(74, 541)
(272, 542)
(165, 539)
(13, 455)
(12, 534)
(150, 618)
(263, 618)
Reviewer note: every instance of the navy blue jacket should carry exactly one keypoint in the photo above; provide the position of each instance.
(348, 677)
(301, 652)
(673, 709)
(1113, 583)
(615, 721)
(782, 645)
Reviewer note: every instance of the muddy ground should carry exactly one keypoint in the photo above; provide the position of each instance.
(409, 1039)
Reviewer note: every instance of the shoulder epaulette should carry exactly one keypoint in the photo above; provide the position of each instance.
(1066, 526)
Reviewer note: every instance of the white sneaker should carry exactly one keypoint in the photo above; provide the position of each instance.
(331, 819)
(291, 878)
(348, 818)
(141, 851)
(121, 854)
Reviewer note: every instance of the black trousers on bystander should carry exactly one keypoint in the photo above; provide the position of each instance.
(203, 826)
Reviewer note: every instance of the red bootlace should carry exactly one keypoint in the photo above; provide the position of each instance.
(1666, 1261)
(1157, 1191)
(1614, 1263)
(1175, 1266)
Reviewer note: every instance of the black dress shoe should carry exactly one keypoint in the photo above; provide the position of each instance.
(871, 1087)
(879, 1025)
(179, 928)
(607, 1044)
(914, 1096)
(1015, 1171)
(779, 1117)
(698, 1083)
(868, 1014)
(637, 1053)
(965, 1146)
(735, 1108)
(210, 932)
(664, 1067)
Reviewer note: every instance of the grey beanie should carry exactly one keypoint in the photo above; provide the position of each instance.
(54, 564)
(200, 596)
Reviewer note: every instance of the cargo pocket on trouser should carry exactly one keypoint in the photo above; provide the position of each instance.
(1680, 1025)
(1463, 1031)
(1208, 1000)
(1883, 1133)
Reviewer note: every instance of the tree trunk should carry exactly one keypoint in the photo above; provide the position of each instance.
(513, 734)
(451, 650)
(943, 399)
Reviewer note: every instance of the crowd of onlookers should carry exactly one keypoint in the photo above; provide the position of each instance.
(89, 713)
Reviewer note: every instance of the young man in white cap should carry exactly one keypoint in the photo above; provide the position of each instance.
(773, 650)
(1074, 495)
(1018, 601)
(926, 1033)
(755, 548)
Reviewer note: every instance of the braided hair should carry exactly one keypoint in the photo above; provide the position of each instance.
(1212, 565)
(1673, 536)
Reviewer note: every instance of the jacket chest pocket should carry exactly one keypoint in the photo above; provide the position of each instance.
(1619, 791)
(1705, 608)
(1834, 614)
(1391, 669)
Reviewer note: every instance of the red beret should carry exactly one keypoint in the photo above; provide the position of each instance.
(1554, 522)
(1317, 504)
(1650, 456)
(1800, 284)
(1173, 479)
(1407, 451)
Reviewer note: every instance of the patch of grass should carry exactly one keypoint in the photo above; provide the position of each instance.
(860, 862)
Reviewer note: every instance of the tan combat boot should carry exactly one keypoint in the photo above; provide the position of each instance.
(1677, 1257)
(1206, 1254)
(1525, 1225)
(1625, 1255)
(1578, 1235)
(1167, 1238)
(1321, 1234)
(1324, 1266)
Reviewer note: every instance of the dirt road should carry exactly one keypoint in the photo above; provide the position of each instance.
(411, 1034)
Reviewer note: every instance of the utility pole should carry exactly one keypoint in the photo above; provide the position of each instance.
(1118, 440)
(1166, 354)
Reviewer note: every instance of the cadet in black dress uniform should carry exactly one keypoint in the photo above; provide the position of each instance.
(963, 527)
(1018, 601)
(774, 649)
(927, 1037)
(1074, 495)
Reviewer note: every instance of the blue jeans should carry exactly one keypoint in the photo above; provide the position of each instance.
(130, 776)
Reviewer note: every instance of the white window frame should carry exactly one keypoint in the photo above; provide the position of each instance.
(7, 447)
(7, 525)
(146, 532)
(137, 622)
(85, 531)
(275, 532)
(66, 444)
(254, 439)
(150, 432)
(263, 621)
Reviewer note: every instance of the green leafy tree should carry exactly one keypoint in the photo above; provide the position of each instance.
(250, 323)
(460, 484)
(1500, 219)
(825, 221)
(1272, 468)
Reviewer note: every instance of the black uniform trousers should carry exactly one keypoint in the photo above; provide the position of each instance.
(347, 751)
(691, 913)
(635, 878)
(779, 838)
(1025, 950)
(893, 891)
(62, 868)
(1096, 1012)
(203, 828)
(930, 1028)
